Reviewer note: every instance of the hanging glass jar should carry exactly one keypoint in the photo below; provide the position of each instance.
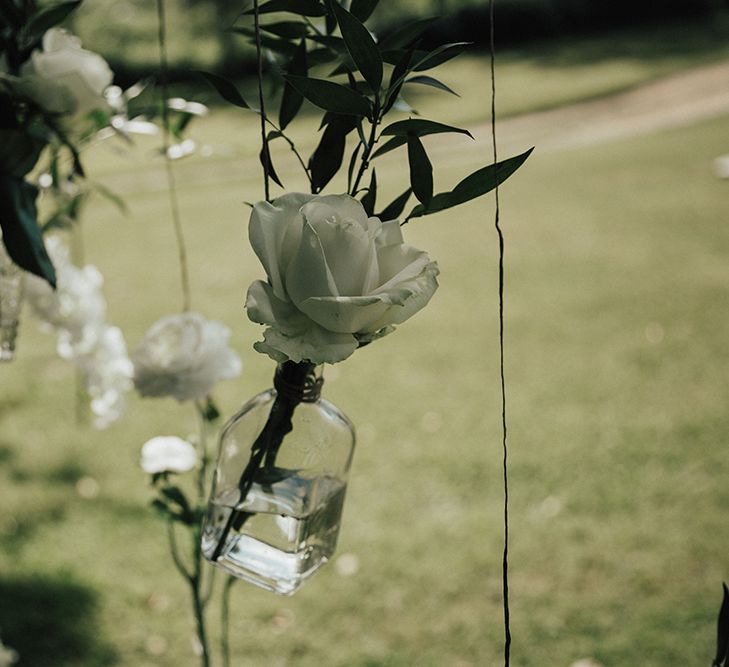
(279, 485)
(11, 292)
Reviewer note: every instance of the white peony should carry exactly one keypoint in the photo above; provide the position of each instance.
(184, 356)
(64, 78)
(167, 453)
(336, 278)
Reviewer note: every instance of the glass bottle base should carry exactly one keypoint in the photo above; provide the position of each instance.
(281, 535)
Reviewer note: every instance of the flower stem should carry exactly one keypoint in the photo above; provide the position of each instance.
(225, 621)
(268, 442)
(171, 184)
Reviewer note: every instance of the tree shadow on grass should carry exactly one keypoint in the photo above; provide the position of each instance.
(52, 622)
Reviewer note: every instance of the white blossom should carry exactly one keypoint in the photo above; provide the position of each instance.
(167, 453)
(183, 356)
(8, 656)
(336, 278)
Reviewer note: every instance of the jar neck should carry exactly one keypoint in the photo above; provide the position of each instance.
(298, 382)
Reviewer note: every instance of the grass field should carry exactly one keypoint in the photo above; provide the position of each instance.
(616, 359)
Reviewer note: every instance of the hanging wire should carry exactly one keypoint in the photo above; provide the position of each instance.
(171, 184)
(505, 559)
(265, 157)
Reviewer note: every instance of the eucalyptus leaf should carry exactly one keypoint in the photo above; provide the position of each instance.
(390, 145)
(405, 35)
(360, 45)
(292, 99)
(19, 222)
(331, 96)
(300, 7)
(370, 197)
(420, 128)
(425, 80)
(49, 17)
(393, 210)
(477, 184)
(327, 158)
(421, 170)
(225, 89)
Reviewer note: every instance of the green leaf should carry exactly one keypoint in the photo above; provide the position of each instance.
(430, 81)
(477, 184)
(225, 89)
(363, 9)
(300, 7)
(368, 201)
(50, 16)
(404, 36)
(292, 99)
(390, 145)
(397, 78)
(722, 630)
(393, 210)
(282, 46)
(210, 411)
(440, 55)
(19, 151)
(265, 157)
(335, 43)
(421, 171)
(331, 96)
(110, 196)
(19, 222)
(174, 494)
(420, 128)
(287, 29)
(327, 158)
(360, 45)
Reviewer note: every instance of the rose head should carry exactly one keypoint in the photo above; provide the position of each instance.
(183, 356)
(336, 278)
(65, 79)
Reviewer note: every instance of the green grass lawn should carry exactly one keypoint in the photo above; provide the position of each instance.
(616, 359)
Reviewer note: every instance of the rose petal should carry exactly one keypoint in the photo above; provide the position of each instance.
(390, 233)
(348, 314)
(274, 231)
(308, 274)
(314, 344)
(264, 307)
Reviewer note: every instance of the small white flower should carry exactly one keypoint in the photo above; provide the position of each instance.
(65, 79)
(184, 356)
(167, 453)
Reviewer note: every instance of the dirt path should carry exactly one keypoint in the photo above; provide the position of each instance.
(677, 100)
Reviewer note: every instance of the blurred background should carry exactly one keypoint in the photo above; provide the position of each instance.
(616, 359)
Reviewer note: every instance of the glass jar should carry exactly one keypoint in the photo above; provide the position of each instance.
(11, 291)
(279, 485)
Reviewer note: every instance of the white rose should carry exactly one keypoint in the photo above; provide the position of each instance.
(183, 356)
(336, 278)
(167, 453)
(65, 79)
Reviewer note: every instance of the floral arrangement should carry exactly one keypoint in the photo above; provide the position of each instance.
(339, 274)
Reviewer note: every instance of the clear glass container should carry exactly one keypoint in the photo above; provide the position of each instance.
(285, 526)
(11, 292)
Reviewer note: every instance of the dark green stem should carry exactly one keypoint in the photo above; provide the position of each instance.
(365, 163)
(267, 444)
(225, 621)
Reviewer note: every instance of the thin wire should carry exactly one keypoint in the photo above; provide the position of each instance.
(264, 142)
(505, 560)
(171, 184)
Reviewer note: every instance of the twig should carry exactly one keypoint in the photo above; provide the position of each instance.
(264, 140)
